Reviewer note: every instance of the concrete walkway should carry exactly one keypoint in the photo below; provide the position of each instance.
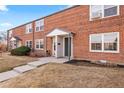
(29, 66)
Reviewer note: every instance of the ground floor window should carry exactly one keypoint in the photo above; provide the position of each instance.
(28, 43)
(96, 42)
(104, 42)
(39, 43)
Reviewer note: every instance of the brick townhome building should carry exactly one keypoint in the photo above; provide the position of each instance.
(89, 32)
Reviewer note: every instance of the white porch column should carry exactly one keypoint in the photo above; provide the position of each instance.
(56, 40)
(69, 46)
(59, 46)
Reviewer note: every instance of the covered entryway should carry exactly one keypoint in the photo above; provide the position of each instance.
(62, 43)
(15, 42)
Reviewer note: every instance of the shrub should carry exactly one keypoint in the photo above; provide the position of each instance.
(21, 51)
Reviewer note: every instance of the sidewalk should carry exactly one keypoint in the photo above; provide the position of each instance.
(29, 66)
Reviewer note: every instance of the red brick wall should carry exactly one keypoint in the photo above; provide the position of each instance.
(76, 20)
(20, 32)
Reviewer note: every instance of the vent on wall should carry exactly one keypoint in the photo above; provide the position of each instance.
(103, 61)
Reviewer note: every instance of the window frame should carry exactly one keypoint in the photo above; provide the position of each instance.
(91, 45)
(28, 43)
(102, 17)
(102, 37)
(38, 40)
(28, 27)
(38, 24)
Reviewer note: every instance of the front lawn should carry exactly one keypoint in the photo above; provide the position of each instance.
(57, 75)
(8, 62)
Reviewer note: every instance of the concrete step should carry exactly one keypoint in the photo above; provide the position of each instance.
(37, 63)
(7, 75)
(24, 68)
(53, 60)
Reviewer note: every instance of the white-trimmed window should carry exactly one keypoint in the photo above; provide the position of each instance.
(105, 42)
(39, 44)
(39, 25)
(96, 42)
(28, 43)
(102, 11)
(29, 28)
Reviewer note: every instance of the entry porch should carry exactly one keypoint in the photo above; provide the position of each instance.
(62, 43)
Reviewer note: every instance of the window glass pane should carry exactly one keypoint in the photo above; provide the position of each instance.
(30, 42)
(41, 28)
(96, 11)
(37, 23)
(37, 28)
(110, 42)
(37, 44)
(108, 6)
(41, 43)
(42, 22)
(30, 46)
(96, 42)
(110, 10)
(41, 46)
(29, 28)
(27, 43)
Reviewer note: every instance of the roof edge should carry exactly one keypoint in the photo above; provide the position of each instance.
(45, 16)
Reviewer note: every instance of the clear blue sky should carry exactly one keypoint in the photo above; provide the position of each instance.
(14, 15)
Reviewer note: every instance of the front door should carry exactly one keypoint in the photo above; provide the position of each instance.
(66, 47)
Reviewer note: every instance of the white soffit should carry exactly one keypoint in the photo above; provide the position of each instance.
(12, 39)
(57, 32)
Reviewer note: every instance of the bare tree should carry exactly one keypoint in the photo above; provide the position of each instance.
(3, 35)
(3, 41)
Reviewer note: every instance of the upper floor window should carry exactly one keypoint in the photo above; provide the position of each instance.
(39, 25)
(102, 11)
(105, 42)
(29, 28)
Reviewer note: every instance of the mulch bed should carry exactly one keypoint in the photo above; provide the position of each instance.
(92, 64)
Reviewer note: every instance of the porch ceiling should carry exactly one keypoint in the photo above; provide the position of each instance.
(57, 32)
(15, 38)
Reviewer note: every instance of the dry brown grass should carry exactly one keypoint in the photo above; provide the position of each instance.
(66, 75)
(7, 61)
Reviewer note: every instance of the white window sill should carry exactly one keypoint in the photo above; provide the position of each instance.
(39, 49)
(28, 33)
(39, 31)
(104, 51)
(103, 17)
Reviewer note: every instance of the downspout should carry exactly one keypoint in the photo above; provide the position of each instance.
(33, 37)
(45, 45)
